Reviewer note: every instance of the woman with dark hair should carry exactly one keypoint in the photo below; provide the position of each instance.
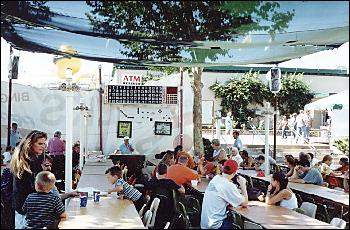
(344, 162)
(25, 164)
(279, 193)
(291, 163)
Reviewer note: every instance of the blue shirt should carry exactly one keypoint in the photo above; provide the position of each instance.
(125, 149)
(313, 176)
(238, 144)
(15, 137)
(228, 123)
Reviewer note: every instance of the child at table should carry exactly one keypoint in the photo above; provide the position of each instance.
(115, 177)
(279, 193)
(43, 208)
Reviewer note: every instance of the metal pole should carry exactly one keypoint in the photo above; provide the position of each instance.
(274, 127)
(181, 105)
(82, 139)
(100, 120)
(9, 106)
(267, 133)
(69, 137)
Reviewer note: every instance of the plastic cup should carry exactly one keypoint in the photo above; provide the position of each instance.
(194, 183)
(83, 199)
(97, 196)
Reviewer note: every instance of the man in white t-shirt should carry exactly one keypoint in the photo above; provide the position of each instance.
(220, 193)
(7, 155)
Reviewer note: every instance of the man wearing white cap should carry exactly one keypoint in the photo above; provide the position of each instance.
(126, 148)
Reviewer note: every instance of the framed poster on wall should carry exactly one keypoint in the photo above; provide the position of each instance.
(124, 129)
(162, 128)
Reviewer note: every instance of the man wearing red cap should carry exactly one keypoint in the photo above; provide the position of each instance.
(220, 193)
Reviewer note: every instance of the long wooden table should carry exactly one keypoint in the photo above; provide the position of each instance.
(317, 190)
(109, 213)
(273, 215)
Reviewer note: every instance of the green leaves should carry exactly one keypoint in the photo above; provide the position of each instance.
(239, 94)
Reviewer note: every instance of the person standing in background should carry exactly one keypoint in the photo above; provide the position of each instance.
(56, 145)
(15, 136)
(228, 124)
(300, 119)
(238, 142)
(308, 125)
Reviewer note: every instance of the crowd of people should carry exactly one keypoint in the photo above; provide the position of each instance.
(31, 165)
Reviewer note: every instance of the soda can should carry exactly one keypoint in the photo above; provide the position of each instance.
(83, 199)
(96, 196)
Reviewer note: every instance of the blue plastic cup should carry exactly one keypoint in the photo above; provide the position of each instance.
(96, 196)
(83, 199)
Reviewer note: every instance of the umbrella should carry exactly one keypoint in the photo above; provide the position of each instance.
(336, 101)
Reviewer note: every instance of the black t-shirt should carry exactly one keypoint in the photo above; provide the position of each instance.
(154, 184)
(24, 186)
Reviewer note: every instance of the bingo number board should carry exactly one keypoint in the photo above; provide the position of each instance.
(134, 94)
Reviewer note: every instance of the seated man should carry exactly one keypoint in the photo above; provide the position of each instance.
(220, 193)
(126, 148)
(235, 156)
(165, 187)
(180, 173)
(261, 164)
(219, 153)
(303, 173)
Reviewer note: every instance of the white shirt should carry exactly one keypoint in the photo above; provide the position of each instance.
(291, 203)
(237, 158)
(7, 157)
(219, 193)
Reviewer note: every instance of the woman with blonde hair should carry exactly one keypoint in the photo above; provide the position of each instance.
(25, 164)
(168, 159)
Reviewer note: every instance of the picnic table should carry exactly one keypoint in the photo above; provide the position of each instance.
(273, 215)
(109, 213)
(316, 190)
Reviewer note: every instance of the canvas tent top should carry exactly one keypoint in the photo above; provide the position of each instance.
(316, 26)
(336, 101)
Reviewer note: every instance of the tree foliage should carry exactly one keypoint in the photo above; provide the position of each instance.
(165, 30)
(294, 94)
(243, 95)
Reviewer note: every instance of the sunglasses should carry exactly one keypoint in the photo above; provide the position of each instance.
(48, 165)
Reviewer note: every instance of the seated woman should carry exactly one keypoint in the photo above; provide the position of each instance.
(279, 194)
(168, 159)
(291, 163)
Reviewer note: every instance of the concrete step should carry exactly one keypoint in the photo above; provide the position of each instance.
(288, 146)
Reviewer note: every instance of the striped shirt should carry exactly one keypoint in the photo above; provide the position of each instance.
(128, 191)
(42, 209)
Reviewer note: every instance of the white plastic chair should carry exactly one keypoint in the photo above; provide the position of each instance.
(309, 209)
(147, 218)
(142, 210)
(337, 222)
(153, 209)
(167, 225)
(251, 225)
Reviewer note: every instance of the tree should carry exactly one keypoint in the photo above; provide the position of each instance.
(240, 95)
(294, 94)
(163, 29)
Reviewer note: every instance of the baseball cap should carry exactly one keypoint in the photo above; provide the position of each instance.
(126, 138)
(230, 166)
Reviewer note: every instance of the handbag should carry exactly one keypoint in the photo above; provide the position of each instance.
(254, 193)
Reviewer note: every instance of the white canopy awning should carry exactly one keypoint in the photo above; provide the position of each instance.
(341, 100)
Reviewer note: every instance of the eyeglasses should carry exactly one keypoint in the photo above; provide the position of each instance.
(48, 165)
